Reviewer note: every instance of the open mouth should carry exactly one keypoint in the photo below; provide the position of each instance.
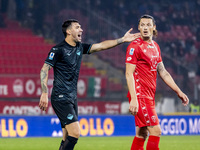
(145, 32)
(79, 36)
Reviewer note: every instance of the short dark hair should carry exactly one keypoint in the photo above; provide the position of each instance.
(155, 32)
(66, 24)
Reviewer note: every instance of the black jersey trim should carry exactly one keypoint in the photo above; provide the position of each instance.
(49, 63)
(88, 52)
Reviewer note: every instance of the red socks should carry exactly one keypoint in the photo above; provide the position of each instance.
(137, 144)
(153, 143)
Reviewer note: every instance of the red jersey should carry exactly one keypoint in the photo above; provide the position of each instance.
(146, 57)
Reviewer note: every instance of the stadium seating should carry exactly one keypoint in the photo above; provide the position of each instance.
(23, 53)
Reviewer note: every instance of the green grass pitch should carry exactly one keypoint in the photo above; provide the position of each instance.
(98, 143)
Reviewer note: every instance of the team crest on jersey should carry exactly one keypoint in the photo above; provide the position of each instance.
(131, 51)
(129, 58)
(51, 55)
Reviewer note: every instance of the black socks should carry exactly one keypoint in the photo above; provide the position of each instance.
(61, 145)
(69, 143)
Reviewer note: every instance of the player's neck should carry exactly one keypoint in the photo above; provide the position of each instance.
(70, 41)
(147, 39)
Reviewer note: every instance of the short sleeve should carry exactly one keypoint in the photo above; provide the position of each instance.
(132, 54)
(54, 55)
(86, 48)
(160, 57)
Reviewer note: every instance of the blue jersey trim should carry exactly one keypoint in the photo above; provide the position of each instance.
(88, 52)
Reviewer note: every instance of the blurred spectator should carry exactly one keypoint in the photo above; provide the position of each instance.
(20, 9)
(11, 10)
(194, 107)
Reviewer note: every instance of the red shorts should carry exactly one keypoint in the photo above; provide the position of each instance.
(146, 115)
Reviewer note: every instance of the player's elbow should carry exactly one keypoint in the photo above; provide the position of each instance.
(128, 75)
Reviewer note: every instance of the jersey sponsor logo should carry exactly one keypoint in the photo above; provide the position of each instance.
(70, 116)
(129, 58)
(51, 55)
(154, 63)
(78, 53)
(131, 51)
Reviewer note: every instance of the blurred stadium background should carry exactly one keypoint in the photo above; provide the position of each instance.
(28, 30)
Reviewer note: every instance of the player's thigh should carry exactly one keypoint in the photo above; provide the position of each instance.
(65, 133)
(154, 130)
(141, 132)
(73, 129)
(65, 111)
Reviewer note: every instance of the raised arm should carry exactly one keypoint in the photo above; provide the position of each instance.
(43, 104)
(133, 107)
(128, 37)
(166, 77)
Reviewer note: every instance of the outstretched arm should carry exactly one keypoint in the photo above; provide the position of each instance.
(43, 104)
(133, 107)
(128, 37)
(166, 77)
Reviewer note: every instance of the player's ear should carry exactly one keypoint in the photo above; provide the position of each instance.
(139, 27)
(154, 27)
(68, 31)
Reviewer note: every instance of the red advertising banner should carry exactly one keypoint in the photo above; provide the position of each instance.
(23, 108)
(27, 87)
(12, 87)
(32, 108)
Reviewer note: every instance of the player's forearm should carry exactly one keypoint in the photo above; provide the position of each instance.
(131, 85)
(43, 80)
(166, 77)
(110, 43)
(44, 77)
(106, 45)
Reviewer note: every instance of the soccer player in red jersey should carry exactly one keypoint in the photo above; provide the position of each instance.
(143, 61)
